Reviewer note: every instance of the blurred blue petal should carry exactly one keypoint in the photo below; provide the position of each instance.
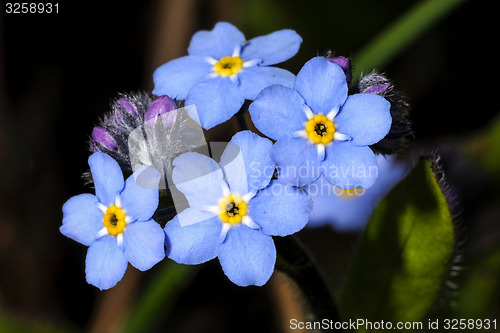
(107, 177)
(278, 112)
(322, 84)
(365, 118)
(218, 42)
(247, 256)
(346, 212)
(280, 210)
(176, 77)
(105, 264)
(82, 219)
(194, 243)
(216, 100)
(273, 48)
(144, 244)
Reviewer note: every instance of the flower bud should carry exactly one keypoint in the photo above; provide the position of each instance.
(101, 136)
(343, 62)
(124, 107)
(162, 106)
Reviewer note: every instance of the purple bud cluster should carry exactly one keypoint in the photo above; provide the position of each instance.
(127, 114)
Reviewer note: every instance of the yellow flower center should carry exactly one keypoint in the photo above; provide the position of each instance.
(228, 66)
(352, 193)
(320, 130)
(114, 220)
(232, 209)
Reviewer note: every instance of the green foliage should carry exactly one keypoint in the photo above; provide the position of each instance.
(160, 296)
(404, 255)
(388, 44)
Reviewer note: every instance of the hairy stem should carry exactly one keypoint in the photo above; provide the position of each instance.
(296, 262)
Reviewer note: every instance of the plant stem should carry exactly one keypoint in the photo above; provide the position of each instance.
(296, 262)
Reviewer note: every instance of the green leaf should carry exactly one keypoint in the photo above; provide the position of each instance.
(405, 253)
(389, 43)
(160, 296)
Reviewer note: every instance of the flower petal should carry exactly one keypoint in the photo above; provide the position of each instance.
(144, 244)
(105, 263)
(140, 195)
(280, 210)
(278, 111)
(247, 162)
(177, 76)
(322, 84)
(218, 42)
(247, 256)
(365, 118)
(343, 211)
(346, 212)
(297, 160)
(194, 243)
(347, 166)
(216, 101)
(199, 178)
(255, 78)
(107, 177)
(273, 48)
(82, 219)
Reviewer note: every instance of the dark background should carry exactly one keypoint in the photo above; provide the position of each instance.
(59, 73)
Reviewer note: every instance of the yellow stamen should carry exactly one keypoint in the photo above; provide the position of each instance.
(228, 66)
(352, 192)
(114, 220)
(232, 209)
(320, 130)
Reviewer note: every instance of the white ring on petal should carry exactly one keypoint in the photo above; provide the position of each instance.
(234, 78)
(341, 137)
(223, 233)
(246, 198)
(211, 209)
(249, 223)
(102, 207)
(119, 240)
(251, 63)
(211, 61)
(321, 151)
(333, 112)
(102, 232)
(212, 75)
(225, 189)
(308, 112)
(300, 134)
(237, 51)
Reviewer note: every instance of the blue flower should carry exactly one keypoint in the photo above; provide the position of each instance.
(350, 210)
(223, 69)
(320, 129)
(116, 222)
(234, 210)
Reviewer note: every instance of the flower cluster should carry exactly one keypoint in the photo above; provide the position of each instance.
(323, 136)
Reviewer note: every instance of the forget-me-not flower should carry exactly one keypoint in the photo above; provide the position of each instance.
(350, 210)
(234, 210)
(116, 223)
(222, 69)
(320, 129)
